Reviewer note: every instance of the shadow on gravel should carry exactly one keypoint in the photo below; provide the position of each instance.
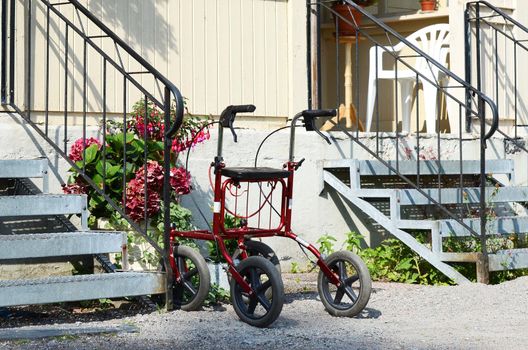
(62, 314)
(367, 313)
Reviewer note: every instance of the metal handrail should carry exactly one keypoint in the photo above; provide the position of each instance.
(501, 13)
(477, 19)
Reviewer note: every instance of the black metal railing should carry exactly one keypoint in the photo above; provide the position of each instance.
(496, 48)
(412, 65)
(67, 27)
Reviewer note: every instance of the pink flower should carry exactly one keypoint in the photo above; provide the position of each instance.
(181, 144)
(180, 180)
(154, 127)
(77, 149)
(178, 146)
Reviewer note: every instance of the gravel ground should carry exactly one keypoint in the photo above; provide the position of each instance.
(398, 317)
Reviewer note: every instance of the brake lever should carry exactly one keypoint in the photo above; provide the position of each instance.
(309, 123)
(299, 163)
(235, 137)
(323, 136)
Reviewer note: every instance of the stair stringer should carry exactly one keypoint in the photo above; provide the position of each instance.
(390, 226)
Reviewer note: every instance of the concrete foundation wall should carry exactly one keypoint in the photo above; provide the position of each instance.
(316, 211)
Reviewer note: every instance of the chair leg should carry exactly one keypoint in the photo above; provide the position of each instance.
(371, 100)
(431, 106)
(406, 103)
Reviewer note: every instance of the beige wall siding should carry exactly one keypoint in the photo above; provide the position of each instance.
(218, 52)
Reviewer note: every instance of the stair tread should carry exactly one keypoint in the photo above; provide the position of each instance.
(427, 167)
(23, 168)
(512, 251)
(465, 195)
(54, 235)
(500, 225)
(45, 245)
(42, 204)
(75, 278)
(509, 259)
(80, 287)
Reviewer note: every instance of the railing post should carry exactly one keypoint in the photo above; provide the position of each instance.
(4, 53)
(12, 19)
(29, 57)
(483, 263)
(166, 202)
(467, 49)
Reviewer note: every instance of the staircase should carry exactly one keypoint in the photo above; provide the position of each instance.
(403, 210)
(433, 178)
(19, 246)
(76, 27)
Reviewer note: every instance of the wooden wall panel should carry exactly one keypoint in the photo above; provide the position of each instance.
(218, 52)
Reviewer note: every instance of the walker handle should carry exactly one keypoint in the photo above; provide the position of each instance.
(309, 120)
(227, 118)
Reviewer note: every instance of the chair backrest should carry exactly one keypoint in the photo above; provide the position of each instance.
(434, 41)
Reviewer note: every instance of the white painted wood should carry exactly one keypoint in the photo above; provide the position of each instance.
(218, 52)
(392, 227)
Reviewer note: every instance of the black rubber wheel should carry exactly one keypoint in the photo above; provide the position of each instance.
(351, 297)
(190, 292)
(261, 308)
(257, 248)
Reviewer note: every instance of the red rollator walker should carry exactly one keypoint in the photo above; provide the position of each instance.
(257, 291)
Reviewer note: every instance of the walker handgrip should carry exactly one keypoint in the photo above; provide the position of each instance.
(228, 115)
(314, 113)
(309, 120)
(310, 115)
(227, 118)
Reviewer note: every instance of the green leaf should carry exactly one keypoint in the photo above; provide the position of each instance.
(91, 153)
(112, 170)
(405, 264)
(98, 179)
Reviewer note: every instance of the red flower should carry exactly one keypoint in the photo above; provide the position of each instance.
(135, 205)
(154, 176)
(75, 188)
(77, 149)
(180, 180)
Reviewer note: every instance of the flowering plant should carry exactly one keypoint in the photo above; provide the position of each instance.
(128, 167)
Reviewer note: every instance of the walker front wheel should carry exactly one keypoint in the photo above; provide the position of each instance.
(262, 307)
(352, 295)
(257, 248)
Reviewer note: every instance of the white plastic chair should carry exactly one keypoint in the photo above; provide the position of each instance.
(433, 40)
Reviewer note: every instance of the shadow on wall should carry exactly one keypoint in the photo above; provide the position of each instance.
(139, 17)
(143, 24)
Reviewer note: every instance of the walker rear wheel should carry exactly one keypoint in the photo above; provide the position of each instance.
(190, 291)
(261, 308)
(352, 295)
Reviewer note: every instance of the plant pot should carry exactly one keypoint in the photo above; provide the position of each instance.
(428, 6)
(141, 255)
(348, 15)
(218, 275)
